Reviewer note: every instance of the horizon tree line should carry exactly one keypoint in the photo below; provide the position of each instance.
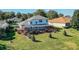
(50, 14)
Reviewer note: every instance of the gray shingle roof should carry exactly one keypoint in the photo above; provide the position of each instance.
(37, 17)
(3, 24)
(15, 19)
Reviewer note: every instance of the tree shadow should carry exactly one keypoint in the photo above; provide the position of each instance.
(50, 36)
(33, 38)
(54, 38)
(68, 35)
(36, 41)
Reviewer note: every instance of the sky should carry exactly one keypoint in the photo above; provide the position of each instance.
(63, 11)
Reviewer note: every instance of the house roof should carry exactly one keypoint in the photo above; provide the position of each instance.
(60, 20)
(37, 17)
(15, 19)
(3, 24)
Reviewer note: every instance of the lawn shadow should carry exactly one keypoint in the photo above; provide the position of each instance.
(50, 36)
(33, 38)
(68, 35)
(54, 38)
(36, 41)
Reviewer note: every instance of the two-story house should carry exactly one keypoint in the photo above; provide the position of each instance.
(35, 23)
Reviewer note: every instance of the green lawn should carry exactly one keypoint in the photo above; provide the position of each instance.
(60, 42)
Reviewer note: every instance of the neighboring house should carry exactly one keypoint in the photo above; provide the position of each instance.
(60, 22)
(15, 19)
(35, 23)
(3, 24)
(3, 27)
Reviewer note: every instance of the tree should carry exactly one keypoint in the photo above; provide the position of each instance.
(40, 12)
(61, 15)
(75, 19)
(2, 33)
(18, 15)
(29, 15)
(7, 15)
(52, 14)
(12, 14)
(2, 15)
(3, 47)
(24, 16)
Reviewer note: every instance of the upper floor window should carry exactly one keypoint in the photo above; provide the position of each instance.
(36, 22)
(46, 20)
(40, 20)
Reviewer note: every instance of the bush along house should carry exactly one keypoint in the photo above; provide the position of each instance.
(35, 24)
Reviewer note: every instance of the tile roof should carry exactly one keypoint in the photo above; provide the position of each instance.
(60, 20)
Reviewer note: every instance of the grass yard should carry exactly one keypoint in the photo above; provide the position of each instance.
(60, 42)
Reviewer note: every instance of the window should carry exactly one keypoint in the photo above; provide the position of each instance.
(67, 24)
(30, 22)
(46, 20)
(36, 22)
(40, 20)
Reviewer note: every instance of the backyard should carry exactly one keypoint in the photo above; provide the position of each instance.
(59, 42)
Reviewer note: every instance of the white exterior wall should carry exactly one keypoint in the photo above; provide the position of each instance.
(58, 24)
